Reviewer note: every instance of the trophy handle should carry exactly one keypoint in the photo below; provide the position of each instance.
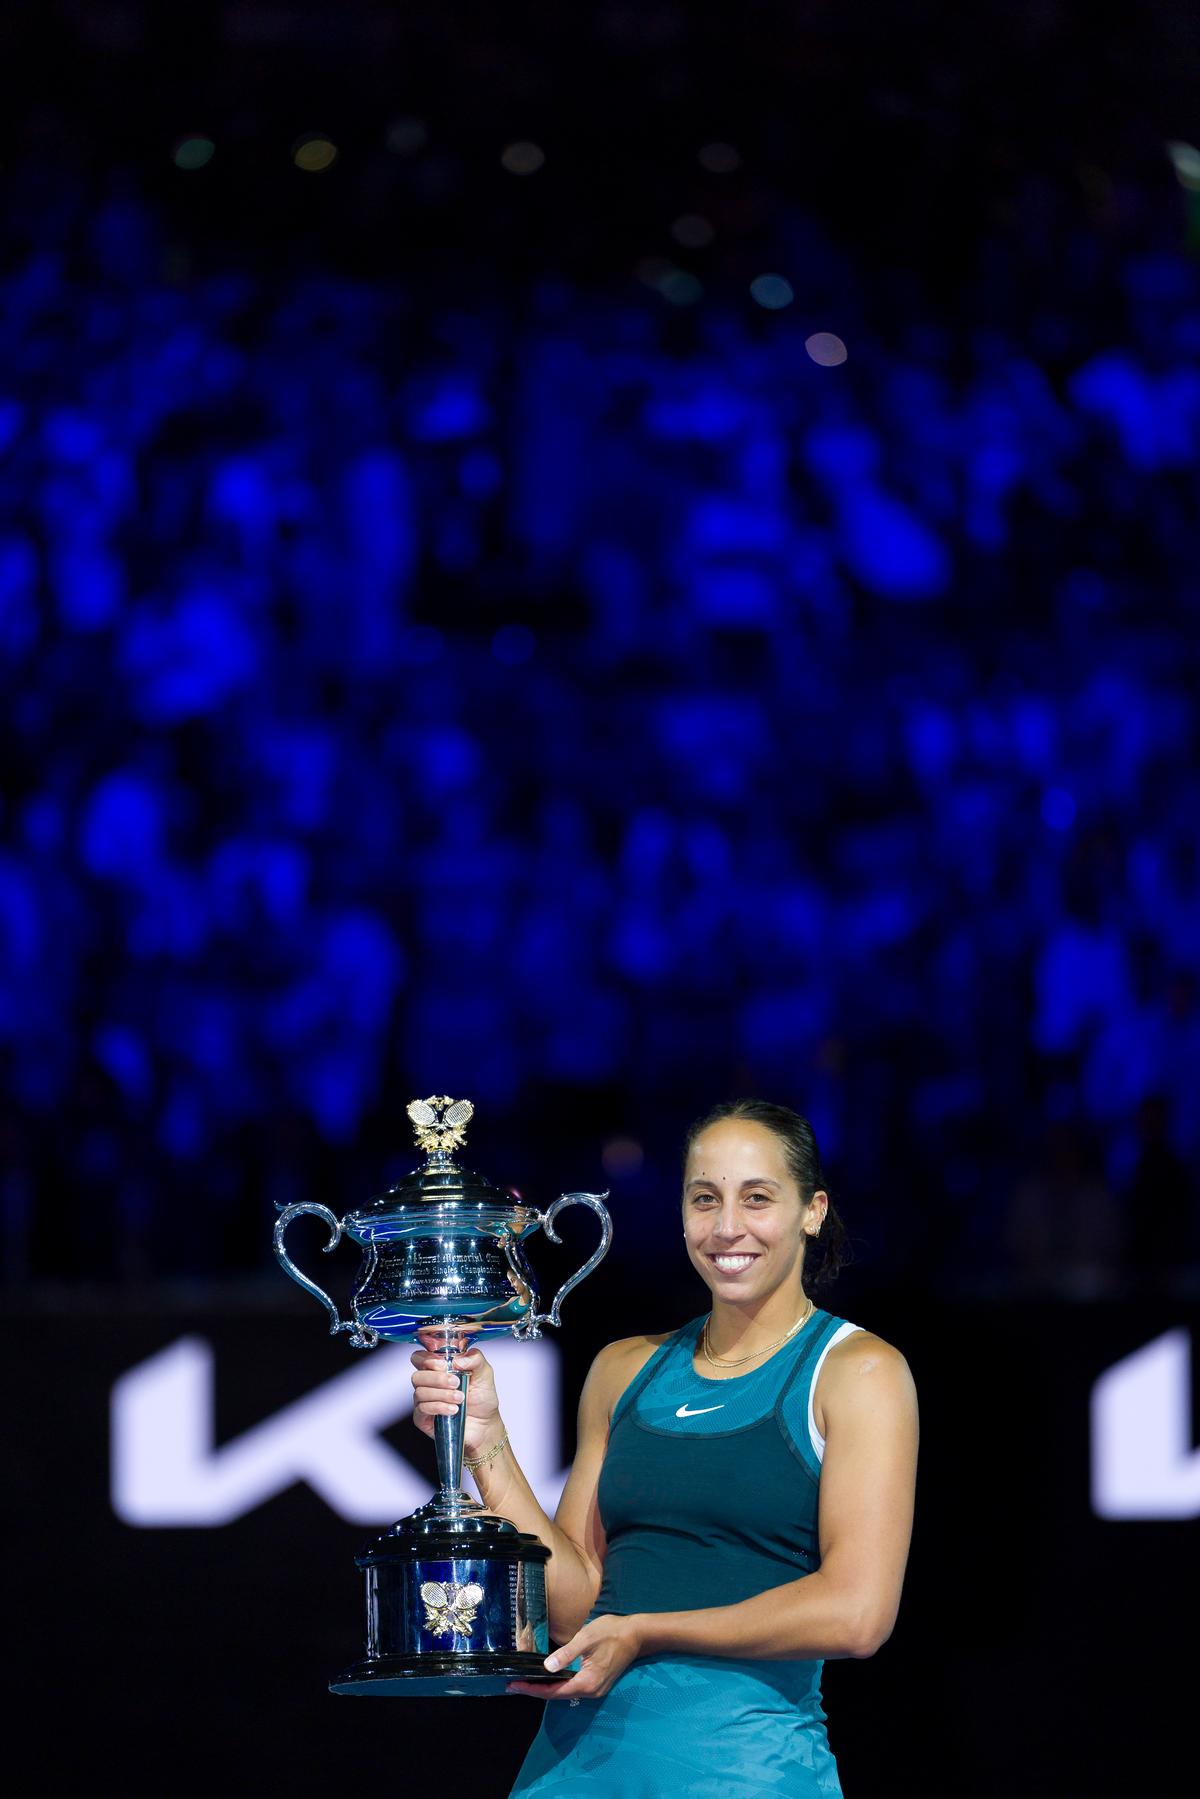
(361, 1336)
(535, 1320)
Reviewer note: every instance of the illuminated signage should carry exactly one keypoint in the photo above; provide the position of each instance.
(1144, 1463)
(168, 1470)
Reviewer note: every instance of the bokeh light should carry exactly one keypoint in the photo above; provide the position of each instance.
(651, 269)
(1185, 160)
(513, 644)
(193, 152)
(523, 157)
(405, 136)
(480, 474)
(774, 292)
(681, 288)
(718, 158)
(692, 231)
(1058, 809)
(674, 284)
(314, 153)
(622, 1156)
(826, 349)
(420, 645)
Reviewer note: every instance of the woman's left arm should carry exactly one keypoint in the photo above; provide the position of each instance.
(849, 1605)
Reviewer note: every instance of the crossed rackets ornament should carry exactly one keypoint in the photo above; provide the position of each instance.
(450, 1610)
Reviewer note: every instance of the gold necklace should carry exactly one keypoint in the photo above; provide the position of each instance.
(736, 1361)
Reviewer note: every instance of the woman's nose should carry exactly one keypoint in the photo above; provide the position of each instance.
(728, 1226)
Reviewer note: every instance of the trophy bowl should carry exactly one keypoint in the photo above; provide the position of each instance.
(456, 1595)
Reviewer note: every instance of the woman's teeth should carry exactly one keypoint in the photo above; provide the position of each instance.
(731, 1264)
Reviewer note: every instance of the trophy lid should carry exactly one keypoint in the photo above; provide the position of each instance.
(440, 1124)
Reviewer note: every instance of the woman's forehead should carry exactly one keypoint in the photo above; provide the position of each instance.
(733, 1141)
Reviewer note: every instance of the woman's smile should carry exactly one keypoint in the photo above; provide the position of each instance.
(727, 1262)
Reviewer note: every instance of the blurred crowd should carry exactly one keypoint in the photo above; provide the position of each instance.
(594, 703)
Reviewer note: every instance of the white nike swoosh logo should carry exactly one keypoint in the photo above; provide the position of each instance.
(686, 1412)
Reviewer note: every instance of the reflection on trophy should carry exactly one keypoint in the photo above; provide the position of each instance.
(456, 1596)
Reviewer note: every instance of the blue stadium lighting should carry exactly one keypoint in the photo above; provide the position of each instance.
(420, 645)
(259, 633)
(513, 644)
(1058, 809)
(773, 292)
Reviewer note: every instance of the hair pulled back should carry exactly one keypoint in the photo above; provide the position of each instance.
(825, 1255)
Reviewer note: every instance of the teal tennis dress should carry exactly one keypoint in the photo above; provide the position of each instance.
(708, 1495)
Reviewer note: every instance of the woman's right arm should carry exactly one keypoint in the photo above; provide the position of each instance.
(575, 1536)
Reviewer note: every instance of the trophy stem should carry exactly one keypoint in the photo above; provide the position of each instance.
(448, 1437)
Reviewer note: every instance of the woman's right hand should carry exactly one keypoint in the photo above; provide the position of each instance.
(437, 1394)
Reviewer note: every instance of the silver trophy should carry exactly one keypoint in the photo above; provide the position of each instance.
(456, 1596)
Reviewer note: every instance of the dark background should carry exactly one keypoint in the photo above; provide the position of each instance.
(1039, 1649)
(600, 559)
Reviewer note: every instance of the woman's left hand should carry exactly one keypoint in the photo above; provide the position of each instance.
(606, 1647)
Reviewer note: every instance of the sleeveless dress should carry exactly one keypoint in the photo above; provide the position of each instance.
(708, 1495)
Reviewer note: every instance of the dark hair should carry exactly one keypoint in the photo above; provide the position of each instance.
(825, 1255)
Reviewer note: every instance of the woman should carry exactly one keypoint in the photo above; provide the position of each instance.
(739, 1507)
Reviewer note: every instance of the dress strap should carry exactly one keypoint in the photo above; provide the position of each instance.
(794, 1404)
(650, 1368)
(810, 1351)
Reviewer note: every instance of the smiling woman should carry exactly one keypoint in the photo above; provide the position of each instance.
(739, 1508)
(782, 1168)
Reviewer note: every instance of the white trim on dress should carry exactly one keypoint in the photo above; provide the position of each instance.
(814, 1435)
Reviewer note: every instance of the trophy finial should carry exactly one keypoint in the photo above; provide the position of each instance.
(440, 1122)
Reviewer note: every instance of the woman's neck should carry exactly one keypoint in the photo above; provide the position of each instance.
(736, 1330)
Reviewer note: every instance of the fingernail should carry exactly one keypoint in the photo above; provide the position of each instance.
(551, 1664)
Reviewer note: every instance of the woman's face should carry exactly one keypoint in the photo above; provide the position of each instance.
(744, 1221)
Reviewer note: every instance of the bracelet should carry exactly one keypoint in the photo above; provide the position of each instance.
(491, 1455)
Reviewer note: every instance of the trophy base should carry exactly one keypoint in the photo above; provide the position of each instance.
(448, 1676)
(456, 1605)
